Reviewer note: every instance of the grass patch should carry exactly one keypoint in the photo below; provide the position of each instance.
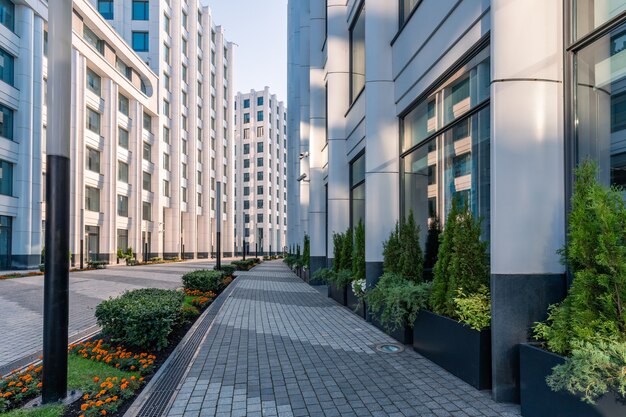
(81, 372)
(46, 411)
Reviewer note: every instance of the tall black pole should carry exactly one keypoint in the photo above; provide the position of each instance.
(56, 281)
(270, 250)
(244, 250)
(256, 249)
(218, 228)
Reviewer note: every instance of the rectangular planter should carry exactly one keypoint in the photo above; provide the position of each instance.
(538, 400)
(339, 294)
(462, 351)
(354, 304)
(403, 335)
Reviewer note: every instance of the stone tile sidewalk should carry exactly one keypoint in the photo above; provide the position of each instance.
(280, 348)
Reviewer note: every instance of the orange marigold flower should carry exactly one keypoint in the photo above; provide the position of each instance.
(96, 379)
(24, 389)
(132, 378)
(84, 407)
(115, 398)
(99, 403)
(104, 412)
(86, 397)
(39, 385)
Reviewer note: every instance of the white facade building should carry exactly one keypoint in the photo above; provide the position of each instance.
(261, 172)
(181, 43)
(400, 105)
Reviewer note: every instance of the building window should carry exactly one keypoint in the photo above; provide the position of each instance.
(259, 101)
(167, 23)
(246, 204)
(123, 104)
(166, 134)
(7, 63)
(166, 188)
(184, 20)
(259, 176)
(92, 199)
(259, 132)
(357, 55)
(146, 212)
(259, 162)
(93, 120)
(259, 116)
(93, 39)
(122, 239)
(246, 117)
(184, 194)
(147, 152)
(246, 148)
(141, 41)
(246, 177)
(259, 190)
(6, 122)
(246, 133)
(259, 147)
(166, 161)
(93, 160)
(147, 122)
(167, 54)
(6, 178)
(446, 145)
(199, 177)
(246, 103)
(141, 10)
(147, 181)
(357, 191)
(7, 14)
(259, 218)
(122, 138)
(105, 7)
(406, 8)
(94, 82)
(246, 163)
(122, 171)
(122, 205)
(246, 191)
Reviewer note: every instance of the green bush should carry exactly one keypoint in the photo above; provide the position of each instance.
(358, 252)
(228, 270)
(411, 260)
(595, 308)
(432, 243)
(141, 318)
(346, 250)
(392, 251)
(204, 280)
(593, 370)
(474, 310)
(337, 251)
(463, 261)
(325, 275)
(397, 300)
(306, 253)
(188, 313)
(241, 265)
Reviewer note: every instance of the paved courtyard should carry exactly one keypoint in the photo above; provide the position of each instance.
(21, 301)
(278, 347)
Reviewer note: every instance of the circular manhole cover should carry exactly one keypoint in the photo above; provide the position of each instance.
(390, 348)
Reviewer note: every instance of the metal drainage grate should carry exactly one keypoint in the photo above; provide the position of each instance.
(157, 401)
(390, 348)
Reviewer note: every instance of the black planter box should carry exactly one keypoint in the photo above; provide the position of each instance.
(354, 304)
(403, 335)
(538, 400)
(462, 351)
(339, 294)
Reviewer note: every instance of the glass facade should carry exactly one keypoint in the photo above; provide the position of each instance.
(6, 122)
(6, 178)
(600, 90)
(6, 224)
(7, 64)
(446, 139)
(357, 191)
(141, 41)
(7, 14)
(105, 7)
(406, 7)
(357, 55)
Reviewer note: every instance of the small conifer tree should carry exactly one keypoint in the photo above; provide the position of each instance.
(337, 251)
(358, 253)
(410, 261)
(346, 252)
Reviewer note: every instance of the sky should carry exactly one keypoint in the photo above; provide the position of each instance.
(259, 28)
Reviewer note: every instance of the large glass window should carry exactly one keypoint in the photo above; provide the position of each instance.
(7, 14)
(122, 205)
(122, 139)
(6, 178)
(357, 55)
(406, 7)
(93, 160)
(141, 41)
(600, 90)
(92, 199)
(443, 159)
(7, 63)
(146, 212)
(357, 191)
(93, 39)
(105, 7)
(123, 104)
(122, 171)
(122, 239)
(590, 14)
(147, 181)
(93, 120)
(6, 122)
(141, 10)
(94, 82)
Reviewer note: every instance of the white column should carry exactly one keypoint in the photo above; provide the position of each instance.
(23, 134)
(37, 167)
(305, 132)
(527, 177)
(382, 134)
(317, 203)
(338, 79)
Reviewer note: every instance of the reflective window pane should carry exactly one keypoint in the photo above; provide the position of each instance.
(589, 14)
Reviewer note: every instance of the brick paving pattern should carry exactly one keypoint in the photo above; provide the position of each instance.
(280, 348)
(21, 301)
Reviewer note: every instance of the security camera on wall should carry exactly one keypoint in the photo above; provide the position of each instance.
(304, 155)
(301, 177)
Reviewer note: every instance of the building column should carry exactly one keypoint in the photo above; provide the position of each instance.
(527, 178)
(317, 203)
(305, 115)
(338, 79)
(37, 157)
(382, 135)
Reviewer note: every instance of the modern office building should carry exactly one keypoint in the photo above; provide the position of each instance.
(261, 172)
(181, 43)
(400, 105)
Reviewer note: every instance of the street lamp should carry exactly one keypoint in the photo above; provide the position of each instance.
(56, 281)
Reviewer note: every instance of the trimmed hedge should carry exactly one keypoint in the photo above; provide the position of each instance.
(141, 318)
(204, 280)
(228, 270)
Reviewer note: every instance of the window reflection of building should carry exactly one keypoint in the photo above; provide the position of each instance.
(446, 148)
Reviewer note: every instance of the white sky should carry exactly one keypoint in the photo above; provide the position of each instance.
(259, 28)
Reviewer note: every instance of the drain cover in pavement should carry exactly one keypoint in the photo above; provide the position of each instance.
(390, 348)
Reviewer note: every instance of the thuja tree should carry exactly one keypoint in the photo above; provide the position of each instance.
(306, 253)
(595, 308)
(337, 250)
(346, 251)
(391, 251)
(463, 261)
(358, 252)
(410, 261)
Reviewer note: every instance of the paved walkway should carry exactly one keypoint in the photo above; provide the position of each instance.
(21, 301)
(280, 348)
